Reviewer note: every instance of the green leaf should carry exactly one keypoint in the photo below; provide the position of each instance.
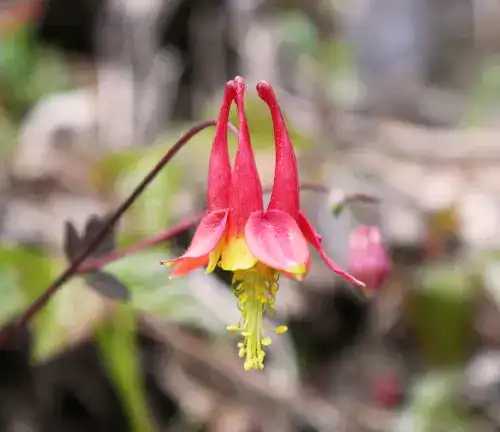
(153, 292)
(118, 347)
(8, 132)
(150, 287)
(11, 298)
(442, 311)
(484, 94)
(28, 72)
(26, 274)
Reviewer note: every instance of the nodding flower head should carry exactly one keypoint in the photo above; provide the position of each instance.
(238, 235)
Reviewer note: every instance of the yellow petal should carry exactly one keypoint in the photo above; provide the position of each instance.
(298, 271)
(236, 255)
(215, 256)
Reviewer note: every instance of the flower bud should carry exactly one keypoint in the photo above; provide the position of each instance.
(388, 391)
(368, 258)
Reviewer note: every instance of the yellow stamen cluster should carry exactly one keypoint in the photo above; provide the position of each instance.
(255, 290)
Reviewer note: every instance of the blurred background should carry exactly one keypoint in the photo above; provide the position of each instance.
(395, 98)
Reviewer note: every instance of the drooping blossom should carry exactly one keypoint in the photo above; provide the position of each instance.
(238, 235)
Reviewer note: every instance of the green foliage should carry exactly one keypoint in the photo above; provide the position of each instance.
(117, 343)
(24, 275)
(11, 297)
(433, 405)
(28, 72)
(148, 282)
(8, 132)
(484, 95)
(442, 312)
(152, 291)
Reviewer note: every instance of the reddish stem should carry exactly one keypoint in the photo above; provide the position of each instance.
(72, 269)
(97, 263)
(353, 198)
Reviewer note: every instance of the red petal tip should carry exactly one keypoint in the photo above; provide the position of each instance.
(265, 91)
(239, 81)
(239, 86)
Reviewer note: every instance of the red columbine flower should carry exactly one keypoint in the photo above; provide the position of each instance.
(239, 236)
(368, 258)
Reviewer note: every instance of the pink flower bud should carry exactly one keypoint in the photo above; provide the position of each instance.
(388, 391)
(368, 258)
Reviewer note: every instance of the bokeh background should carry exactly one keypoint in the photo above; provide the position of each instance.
(395, 98)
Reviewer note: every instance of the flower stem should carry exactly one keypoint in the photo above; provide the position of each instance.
(97, 263)
(348, 199)
(72, 269)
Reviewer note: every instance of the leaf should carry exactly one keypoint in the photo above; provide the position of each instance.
(441, 310)
(71, 242)
(28, 72)
(152, 291)
(24, 275)
(107, 244)
(107, 285)
(119, 349)
(11, 298)
(150, 287)
(484, 94)
(104, 283)
(74, 244)
(433, 405)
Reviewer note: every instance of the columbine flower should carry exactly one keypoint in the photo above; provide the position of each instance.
(368, 258)
(239, 236)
